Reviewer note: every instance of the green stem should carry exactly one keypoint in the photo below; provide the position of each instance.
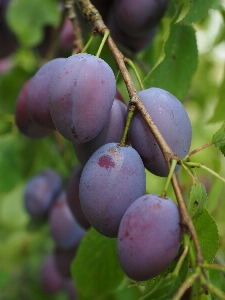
(105, 36)
(129, 117)
(88, 43)
(117, 75)
(181, 260)
(172, 168)
(188, 170)
(214, 290)
(131, 64)
(192, 257)
(213, 266)
(185, 286)
(200, 165)
(197, 150)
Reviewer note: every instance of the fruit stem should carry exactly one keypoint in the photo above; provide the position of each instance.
(188, 171)
(180, 262)
(213, 266)
(186, 285)
(88, 43)
(213, 289)
(172, 168)
(202, 166)
(105, 36)
(129, 117)
(131, 64)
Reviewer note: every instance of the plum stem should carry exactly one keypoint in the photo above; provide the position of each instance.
(181, 260)
(202, 166)
(131, 64)
(186, 285)
(105, 36)
(172, 168)
(88, 43)
(129, 117)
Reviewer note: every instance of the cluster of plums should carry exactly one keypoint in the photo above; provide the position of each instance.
(76, 97)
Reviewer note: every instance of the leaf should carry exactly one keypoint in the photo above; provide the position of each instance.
(198, 10)
(219, 139)
(197, 199)
(208, 235)
(96, 269)
(27, 19)
(10, 162)
(215, 193)
(163, 289)
(10, 86)
(184, 10)
(175, 71)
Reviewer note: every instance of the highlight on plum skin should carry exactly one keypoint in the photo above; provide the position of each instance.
(112, 179)
(149, 237)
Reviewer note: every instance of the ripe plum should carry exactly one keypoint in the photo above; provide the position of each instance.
(81, 96)
(40, 193)
(172, 120)
(22, 118)
(111, 180)
(149, 237)
(38, 94)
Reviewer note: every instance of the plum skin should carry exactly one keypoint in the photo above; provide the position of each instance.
(149, 237)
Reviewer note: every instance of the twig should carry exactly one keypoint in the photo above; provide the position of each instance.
(198, 150)
(77, 36)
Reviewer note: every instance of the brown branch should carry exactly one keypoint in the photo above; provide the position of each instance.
(92, 14)
(199, 149)
(77, 35)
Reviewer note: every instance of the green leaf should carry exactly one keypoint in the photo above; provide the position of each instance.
(10, 162)
(96, 269)
(208, 235)
(219, 138)
(197, 199)
(215, 193)
(198, 10)
(27, 19)
(175, 71)
(10, 86)
(184, 10)
(163, 289)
